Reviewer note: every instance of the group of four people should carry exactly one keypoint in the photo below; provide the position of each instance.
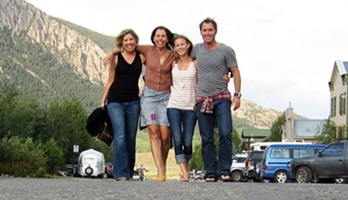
(181, 85)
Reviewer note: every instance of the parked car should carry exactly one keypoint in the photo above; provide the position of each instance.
(108, 170)
(238, 172)
(275, 164)
(91, 163)
(331, 163)
(252, 165)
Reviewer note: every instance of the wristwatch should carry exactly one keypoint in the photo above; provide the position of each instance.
(237, 94)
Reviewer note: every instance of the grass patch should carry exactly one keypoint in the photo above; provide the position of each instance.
(147, 160)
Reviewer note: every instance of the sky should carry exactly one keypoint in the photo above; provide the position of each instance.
(286, 49)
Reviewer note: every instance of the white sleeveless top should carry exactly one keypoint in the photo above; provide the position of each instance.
(184, 88)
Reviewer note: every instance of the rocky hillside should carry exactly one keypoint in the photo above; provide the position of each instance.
(66, 44)
(256, 115)
(53, 59)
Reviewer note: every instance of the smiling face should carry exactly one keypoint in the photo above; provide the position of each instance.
(208, 33)
(129, 43)
(160, 39)
(181, 46)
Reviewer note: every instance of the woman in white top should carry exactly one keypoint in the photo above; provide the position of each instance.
(180, 109)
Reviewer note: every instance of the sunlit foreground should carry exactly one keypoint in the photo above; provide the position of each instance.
(146, 159)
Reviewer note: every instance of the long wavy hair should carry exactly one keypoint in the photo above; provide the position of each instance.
(169, 34)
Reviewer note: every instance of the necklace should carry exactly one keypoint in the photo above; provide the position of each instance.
(182, 73)
(185, 65)
(183, 76)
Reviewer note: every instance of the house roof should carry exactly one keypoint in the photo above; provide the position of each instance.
(262, 133)
(307, 128)
(340, 67)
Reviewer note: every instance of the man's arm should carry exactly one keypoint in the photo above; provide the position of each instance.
(237, 87)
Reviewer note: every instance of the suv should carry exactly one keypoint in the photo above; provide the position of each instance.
(238, 167)
(252, 165)
(275, 164)
(329, 163)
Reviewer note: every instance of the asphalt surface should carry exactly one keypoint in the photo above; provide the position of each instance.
(93, 188)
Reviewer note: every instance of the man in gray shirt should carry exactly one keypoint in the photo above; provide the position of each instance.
(214, 101)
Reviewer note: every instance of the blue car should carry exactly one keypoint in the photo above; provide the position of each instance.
(275, 163)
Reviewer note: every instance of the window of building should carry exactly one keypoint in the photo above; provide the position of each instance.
(333, 107)
(342, 104)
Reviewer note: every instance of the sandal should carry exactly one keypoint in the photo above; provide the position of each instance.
(184, 179)
(160, 178)
(210, 179)
(225, 178)
(121, 179)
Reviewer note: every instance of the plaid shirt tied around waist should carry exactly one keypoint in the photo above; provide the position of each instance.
(208, 102)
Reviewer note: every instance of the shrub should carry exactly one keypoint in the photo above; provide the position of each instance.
(22, 157)
(54, 156)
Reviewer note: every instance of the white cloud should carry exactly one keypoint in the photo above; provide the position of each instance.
(285, 49)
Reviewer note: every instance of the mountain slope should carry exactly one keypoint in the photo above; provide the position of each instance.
(44, 57)
(53, 59)
(66, 44)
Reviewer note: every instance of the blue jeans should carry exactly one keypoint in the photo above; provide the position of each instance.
(216, 164)
(124, 117)
(182, 125)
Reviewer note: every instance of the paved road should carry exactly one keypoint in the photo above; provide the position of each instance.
(86, 188)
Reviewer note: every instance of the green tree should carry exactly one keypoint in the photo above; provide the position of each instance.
(54, 155)
(66, 122)
(276, 128)
(19, 115)
(327, 134)
(25, 111)
(7, 102)
(197, 160)
(237, 143)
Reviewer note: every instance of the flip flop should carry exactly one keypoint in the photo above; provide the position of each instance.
(210, 179)
(225, 178)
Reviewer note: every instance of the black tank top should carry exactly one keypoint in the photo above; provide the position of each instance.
(125, 85)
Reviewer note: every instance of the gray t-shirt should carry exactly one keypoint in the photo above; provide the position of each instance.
(212, 66)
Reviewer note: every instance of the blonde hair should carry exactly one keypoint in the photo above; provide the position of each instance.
(120, 36)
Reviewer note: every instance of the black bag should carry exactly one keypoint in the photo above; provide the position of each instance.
(99, 125)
